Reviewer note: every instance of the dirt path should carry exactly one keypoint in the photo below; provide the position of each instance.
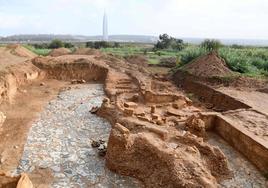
(60, 140)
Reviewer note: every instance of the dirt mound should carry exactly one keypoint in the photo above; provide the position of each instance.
(87, 51)
(59, 52)
(210, 65)
(21, 51)
(138, 60)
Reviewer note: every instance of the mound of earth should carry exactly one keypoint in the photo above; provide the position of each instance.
(59, 52)
(87, 51)
(21, 51)
(138, 60)
(210, 65)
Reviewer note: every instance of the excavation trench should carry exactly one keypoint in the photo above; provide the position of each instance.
(60, 140)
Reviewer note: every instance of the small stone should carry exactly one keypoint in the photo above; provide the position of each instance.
(95, 144)
(130, 105)
(42, 84)
(94, 109)
(153, 108)
(16, 147)
(128, 111)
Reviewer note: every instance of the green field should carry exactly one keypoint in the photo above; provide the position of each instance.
(38, 51)
(250, 61)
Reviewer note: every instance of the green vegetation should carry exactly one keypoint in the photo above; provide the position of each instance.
(38, 51)
(211, 45)
(102, 44)
(167, 42)
(250, 61)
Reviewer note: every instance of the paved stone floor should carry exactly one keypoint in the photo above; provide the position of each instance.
(61, 140)
(245, 174)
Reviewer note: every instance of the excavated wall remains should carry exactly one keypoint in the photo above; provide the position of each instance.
(232, 125)
(151, 137)
(144, 142)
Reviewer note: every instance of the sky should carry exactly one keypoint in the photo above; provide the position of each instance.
(241, 19)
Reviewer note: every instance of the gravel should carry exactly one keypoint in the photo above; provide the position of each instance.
(60, 139)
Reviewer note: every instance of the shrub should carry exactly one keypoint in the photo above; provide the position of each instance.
(190, 54)
(167, 42)
(56, 44)
(90, 44)
(211, 44)
(68, 45)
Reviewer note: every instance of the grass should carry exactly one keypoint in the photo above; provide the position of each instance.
(38, 51)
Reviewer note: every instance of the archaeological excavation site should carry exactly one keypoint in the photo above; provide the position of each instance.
(91, 119)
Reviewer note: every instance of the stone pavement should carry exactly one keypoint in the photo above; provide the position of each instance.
(60, 139)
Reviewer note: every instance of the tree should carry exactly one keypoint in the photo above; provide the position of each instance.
(165, 42)
(116, 45)
(211, 44)
(68, 45)
(56, 44)
(90, 44)
(101, 44)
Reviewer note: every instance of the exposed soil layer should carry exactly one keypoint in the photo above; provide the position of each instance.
(158, 135)
(138, 60)
(244, 123)
(245, 174)
(59, 51)
(255, 99)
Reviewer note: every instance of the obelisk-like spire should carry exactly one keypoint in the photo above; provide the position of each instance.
(105, 27)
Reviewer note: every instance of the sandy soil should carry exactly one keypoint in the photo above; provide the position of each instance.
(7, 58)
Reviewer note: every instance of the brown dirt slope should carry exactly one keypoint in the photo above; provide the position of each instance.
(21, 51)
(59, 52)
(210, 65)
(138, 60)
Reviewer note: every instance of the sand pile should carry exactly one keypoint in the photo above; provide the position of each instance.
(210, 65)
(87, 51)
(21, 51)
(138, 60)
(59, 52)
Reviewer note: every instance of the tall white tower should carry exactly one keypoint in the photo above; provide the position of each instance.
(105, 27)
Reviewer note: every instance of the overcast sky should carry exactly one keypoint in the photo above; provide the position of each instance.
(179, 18)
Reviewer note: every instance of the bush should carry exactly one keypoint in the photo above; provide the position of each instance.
(90, 44)
(190, 54)
(167, 42)
(211, 44)
(68, 45)
(56, 44)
